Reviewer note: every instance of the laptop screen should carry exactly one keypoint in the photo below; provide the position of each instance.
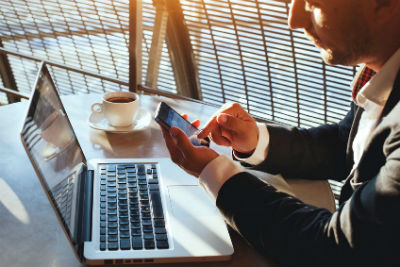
(54, 151)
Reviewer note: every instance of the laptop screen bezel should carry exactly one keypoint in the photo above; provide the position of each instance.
(77, 246)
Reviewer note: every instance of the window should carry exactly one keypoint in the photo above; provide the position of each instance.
(246, 53)
(243, 50)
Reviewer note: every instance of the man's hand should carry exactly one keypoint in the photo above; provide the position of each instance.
(232, 126)
(190, 158)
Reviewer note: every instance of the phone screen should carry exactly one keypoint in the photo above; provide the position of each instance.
(167, 118)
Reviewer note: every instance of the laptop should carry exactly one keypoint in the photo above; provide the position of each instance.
(118, 211)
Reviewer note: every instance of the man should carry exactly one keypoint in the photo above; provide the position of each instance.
(363, 149)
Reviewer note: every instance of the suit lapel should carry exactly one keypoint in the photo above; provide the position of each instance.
(353, 131)
(393, 99)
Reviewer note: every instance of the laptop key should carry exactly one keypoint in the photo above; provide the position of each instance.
(146, 222)
(102, 245)
(112, 231)
(159, 230)
(149, 244)
(113, 238)
(112, 212)
(135, 220)
(136, 232)
(156, 203)
(132, 179)
(159, 223)
(111, 182)
(137, 242)
(112, 245)
(141, 169)
(123, 221)
(112, 194)
(125, 244)
(112, 200)
(124, 234)
(112, 205)
(112, 225)
(111, 189)
(131, 170)
(124, 227)
(147, 230)
(153, 187)
(102, 238)
(102, 231)
(135, 212)
(162, 244)
(111, 167)
(147, 236)
(143, 187)
(161, 237)
(122, 186)
(133, 192)
(112, 218)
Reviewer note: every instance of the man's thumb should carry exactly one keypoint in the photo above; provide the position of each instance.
(181, 139)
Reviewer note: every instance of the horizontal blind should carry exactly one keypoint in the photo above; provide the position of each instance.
(166, 80)
(92, 35)
(246, 53)
(243, 49)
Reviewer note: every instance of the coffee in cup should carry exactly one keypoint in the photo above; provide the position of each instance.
(119, 108)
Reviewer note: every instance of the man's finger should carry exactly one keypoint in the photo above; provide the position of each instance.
(210, 126)
(232, 123)
(218, 138)
(233, 109)
(196, 123)
(182, 141)
(174, 152)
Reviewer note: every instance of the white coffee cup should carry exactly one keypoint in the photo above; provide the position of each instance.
(119, 108)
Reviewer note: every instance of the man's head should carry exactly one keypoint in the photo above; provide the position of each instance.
(350, 32)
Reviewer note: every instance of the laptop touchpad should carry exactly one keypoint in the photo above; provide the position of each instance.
(190, 201)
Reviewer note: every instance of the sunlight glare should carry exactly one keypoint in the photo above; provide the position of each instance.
(12, 203)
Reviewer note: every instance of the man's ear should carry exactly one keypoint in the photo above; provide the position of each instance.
(386, 10)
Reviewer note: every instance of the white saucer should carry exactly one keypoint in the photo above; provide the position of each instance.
(141, 122)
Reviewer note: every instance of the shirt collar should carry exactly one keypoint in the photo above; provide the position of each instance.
(380, 85)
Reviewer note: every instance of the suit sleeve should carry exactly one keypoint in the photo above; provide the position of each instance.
(363, 230)
(291, 232)
(315, 153)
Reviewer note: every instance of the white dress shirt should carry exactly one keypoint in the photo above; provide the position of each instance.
(372, 97)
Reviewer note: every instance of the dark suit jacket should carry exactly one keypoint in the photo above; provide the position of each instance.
(365, 229)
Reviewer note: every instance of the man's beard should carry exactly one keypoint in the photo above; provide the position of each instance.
(354, 49)
(351, 57)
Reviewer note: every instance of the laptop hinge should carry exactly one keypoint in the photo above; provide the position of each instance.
(87, 199)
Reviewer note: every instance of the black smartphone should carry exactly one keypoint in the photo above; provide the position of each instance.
(167, 117)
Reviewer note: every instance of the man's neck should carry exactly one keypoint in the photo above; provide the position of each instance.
(381, 57)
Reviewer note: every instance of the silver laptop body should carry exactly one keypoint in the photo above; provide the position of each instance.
(118, 211)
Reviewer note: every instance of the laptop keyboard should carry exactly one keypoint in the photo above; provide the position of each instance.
(131, 213)
(62, 194)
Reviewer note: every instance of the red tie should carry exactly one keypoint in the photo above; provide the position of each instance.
(363, 78)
